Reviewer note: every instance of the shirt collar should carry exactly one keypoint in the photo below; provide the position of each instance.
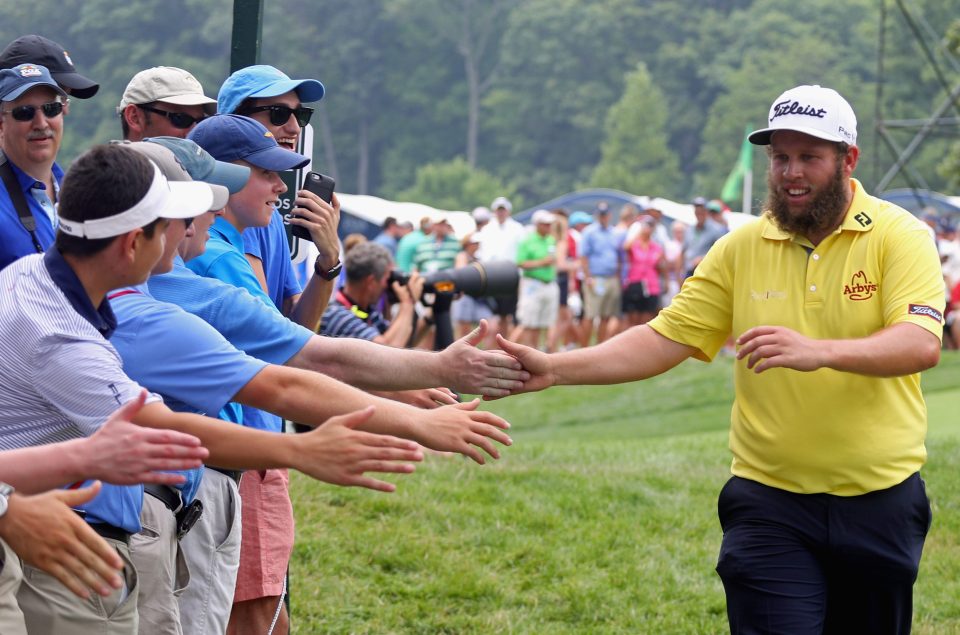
(66, 279)
(27, 182)
(858, 204)
(228, 232)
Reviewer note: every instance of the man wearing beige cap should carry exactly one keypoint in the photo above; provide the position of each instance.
(163, 101)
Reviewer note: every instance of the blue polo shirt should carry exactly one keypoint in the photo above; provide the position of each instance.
(601, 247)
(245, 322)
(15, 241)
(179, 356)
(270, 245)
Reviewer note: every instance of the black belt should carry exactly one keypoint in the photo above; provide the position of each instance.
(169, 496)
(234, 475)
(111, 532)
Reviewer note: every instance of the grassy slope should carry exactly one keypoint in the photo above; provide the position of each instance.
(601, 519)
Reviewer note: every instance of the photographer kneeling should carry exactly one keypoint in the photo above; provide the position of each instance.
(354, 310)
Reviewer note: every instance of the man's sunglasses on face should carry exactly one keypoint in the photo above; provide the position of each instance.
(50, 110)
(280, 114)
(179, 120)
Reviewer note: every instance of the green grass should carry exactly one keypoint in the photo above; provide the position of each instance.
(600, 519)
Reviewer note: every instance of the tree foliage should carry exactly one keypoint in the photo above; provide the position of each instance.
(454, 185)
(636, 156)
(537, 93)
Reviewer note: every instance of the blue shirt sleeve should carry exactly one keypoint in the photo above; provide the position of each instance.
(259, 331)
(178, 355)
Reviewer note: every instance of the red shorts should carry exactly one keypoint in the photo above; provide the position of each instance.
(267, 521)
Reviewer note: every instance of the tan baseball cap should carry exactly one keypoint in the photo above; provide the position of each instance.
(167, 84)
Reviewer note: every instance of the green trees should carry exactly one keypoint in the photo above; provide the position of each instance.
(542, 95)
(636, 156)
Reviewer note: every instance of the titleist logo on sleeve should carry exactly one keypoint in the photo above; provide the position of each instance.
(795, 108)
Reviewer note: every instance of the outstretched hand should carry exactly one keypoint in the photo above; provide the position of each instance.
(463, 429)
(337, 453)
(766, 347)
(478, 372)
(49, 535)
(123, 453)
(536, 363)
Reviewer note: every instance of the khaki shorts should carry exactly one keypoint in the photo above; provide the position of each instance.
(50, 607)
(155, 552)
(212, 551)
(602, 299)
(11, 617)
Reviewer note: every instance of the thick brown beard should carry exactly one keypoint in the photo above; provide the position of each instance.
(823, 213)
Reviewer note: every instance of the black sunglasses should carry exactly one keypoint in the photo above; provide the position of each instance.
(50, 110)
(179, 120)
(280, 114)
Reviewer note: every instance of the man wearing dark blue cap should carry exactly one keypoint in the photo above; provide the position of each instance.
(32, 108)
(36, 49)
(268, 95)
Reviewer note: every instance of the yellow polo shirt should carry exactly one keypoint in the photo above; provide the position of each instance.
(822, 431)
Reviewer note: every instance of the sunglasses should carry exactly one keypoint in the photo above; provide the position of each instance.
(180, 120)
(280, 114)
(50, 110)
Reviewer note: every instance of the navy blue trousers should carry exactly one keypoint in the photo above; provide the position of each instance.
(808, 564)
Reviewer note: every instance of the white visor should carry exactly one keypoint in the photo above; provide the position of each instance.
(164, 199)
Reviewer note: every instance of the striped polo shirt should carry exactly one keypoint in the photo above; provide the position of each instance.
(59, 376)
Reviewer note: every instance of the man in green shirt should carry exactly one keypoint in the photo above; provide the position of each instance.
(539, 293)
(439, 251)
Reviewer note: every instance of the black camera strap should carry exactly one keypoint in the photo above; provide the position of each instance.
(19, 202)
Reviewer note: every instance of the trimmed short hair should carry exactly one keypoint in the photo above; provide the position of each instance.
(103, 181)
(367, 259)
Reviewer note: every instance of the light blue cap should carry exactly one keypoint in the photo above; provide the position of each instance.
(263, 81)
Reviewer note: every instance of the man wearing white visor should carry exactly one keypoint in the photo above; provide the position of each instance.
(60, 377)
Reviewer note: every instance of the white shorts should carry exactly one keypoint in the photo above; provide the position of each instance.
(538, 304)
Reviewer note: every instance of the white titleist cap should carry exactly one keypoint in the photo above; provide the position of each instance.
(813, 110)
(174, 199)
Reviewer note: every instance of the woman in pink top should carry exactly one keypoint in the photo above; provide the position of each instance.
(641, 298)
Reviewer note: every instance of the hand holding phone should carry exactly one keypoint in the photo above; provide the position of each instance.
(322, 186)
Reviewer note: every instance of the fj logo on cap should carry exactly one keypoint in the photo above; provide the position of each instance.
(785, 108)
(66, 56)
(28, 70)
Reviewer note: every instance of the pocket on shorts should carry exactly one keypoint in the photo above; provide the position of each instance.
(231, 520)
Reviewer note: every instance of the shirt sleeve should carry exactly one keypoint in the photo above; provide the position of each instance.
(94, 373)
(912, 283)
(231, 267)
(701, 314)
(185, 359)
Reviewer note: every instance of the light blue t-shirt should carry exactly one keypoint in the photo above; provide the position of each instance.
(601, 247)
(179, 356)
(270, 245)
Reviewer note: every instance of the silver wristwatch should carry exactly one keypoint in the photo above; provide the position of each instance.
(5, 491)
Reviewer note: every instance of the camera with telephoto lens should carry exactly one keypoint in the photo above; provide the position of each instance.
(476, 279)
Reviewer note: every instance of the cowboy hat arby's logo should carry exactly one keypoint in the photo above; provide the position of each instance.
(860, 288)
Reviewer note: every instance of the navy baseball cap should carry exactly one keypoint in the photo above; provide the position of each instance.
(36, 49)
(263, 81)
(19, 79)
(201, 165)
(237, 138)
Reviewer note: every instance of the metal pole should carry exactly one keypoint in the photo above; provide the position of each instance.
(247, 33)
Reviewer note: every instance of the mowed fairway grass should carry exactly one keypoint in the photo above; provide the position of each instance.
(600, 519)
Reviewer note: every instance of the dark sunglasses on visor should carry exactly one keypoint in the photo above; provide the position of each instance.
(280, 114)
(50, 110)
(179, 120)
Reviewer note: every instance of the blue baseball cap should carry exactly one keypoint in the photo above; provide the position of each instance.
(263, 81)
(578, 218)
(201, 166)
(235, 138)
(19, 79)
